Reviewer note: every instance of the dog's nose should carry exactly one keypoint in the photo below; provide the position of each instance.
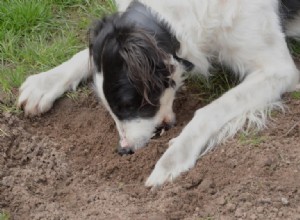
(124, 150)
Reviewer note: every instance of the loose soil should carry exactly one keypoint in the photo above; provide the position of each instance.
(64, 165)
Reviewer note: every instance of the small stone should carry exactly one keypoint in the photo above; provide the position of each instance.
(268, 162)
(231, 207)
(221, 201)
(245, 197)
(7, 114)
(280, 214)
(253, 217)
(297, 217)
(8, 181)
(260, 209)
(238, 213)
(265, 201)
(260, 216)
(225, 218)
(284, 201)
(248, 204)
(207, 184)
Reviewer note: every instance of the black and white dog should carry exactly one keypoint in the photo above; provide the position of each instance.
(138, 57)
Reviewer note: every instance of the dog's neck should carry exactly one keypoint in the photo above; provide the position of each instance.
(142, 17)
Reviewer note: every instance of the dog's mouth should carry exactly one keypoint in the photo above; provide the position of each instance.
(160, 130)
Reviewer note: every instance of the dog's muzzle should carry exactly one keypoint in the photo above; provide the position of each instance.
(159, 130)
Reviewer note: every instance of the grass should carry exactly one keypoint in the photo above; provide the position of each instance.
(4, 216)
(253, 139)
(83, 91)
(294, 47)
(296, 95)
(209, 89)
(38, 35)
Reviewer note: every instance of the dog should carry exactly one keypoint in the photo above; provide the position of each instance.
(138, 58)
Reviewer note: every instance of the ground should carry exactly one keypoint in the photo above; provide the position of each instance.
(64, 165)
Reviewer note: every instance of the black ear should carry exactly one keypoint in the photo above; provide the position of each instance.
(148, 65)
(100, 31)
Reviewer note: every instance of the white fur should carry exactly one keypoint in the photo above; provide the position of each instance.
(39, 91)
(244, 35)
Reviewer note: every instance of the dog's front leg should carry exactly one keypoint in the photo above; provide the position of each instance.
(39, 91)
(259, 90)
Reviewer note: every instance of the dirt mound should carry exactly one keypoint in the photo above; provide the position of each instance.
(64, 165)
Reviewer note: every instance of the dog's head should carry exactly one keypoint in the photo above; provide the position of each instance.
(136, 80)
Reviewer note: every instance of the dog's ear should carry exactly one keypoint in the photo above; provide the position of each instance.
(148, 66)
(100, 31)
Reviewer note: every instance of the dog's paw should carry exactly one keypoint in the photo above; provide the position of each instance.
(38, 93)
(176, 159)
(159, 176)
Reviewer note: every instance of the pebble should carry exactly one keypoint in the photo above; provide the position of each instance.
(265, 201)
(207, 184)
(7, 114)
(231, 207)
(260, 209)
(268, 162)
(8, 181)
(284, 201)
(253, 217)
(280, 214)
(238, 213)
(261, 216)
(248, 204)
(221, 201)
(245, 197)
(225, 218)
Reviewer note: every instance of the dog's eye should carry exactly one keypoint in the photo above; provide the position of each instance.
(126, 106)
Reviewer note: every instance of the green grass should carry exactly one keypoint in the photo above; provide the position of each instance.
(4, 216)
(252, 139)
(294, 47)
(38, 35)
(208, 89)
(84, 91)
(296, 95)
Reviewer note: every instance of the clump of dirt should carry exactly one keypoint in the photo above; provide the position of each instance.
(64, 165)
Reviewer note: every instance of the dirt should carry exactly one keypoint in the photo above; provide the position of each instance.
(64, 165)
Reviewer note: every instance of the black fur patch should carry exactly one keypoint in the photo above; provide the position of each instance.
(132, 51)
(289, 8)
